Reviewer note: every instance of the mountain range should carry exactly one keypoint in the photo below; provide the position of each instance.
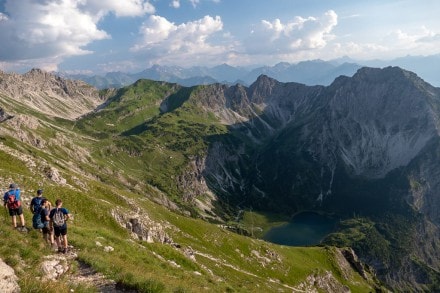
(192, 163)
(312, 72)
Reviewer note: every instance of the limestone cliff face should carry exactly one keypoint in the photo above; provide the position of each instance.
(367, 144)
(380, 119)
(49, 94)
(375, 122)
(42, 93)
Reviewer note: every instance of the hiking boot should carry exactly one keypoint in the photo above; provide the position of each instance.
(60, 249)
(64, 250)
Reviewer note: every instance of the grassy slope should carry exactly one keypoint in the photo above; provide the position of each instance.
(224, 260)
(97, 183)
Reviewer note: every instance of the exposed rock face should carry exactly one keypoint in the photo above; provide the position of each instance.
(373, 123)
(192, 180)
(380, 119)
(366, 144)
(4, 116)
(8, 279)
(54, 267)
(50, 94)
(352, 258)
(142, 227)
(325, 282)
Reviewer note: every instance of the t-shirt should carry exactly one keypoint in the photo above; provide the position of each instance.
(54, 210)
(44, 212)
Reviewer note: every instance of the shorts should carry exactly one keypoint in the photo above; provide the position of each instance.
(46, 230)
(60, 230)
(16, 212)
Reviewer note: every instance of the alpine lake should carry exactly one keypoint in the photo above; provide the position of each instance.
(304, 229)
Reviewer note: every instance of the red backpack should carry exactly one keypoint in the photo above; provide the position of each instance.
(12, 202)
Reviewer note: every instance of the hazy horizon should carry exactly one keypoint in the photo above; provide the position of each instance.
(95, 37)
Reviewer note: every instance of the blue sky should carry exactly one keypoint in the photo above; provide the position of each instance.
(98, 36)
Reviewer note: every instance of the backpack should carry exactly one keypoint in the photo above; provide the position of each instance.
(12, 202)
(37, 222)
(58, 218)
(37, 204)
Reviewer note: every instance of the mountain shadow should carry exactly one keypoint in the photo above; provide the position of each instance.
(360, 148)
(364, 148)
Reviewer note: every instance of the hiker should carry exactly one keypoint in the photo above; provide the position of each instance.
(36, 202)
(45, 209)
(35, 207)
(12, 201)
(58, 217)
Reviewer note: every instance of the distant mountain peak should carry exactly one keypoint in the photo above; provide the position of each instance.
(393, 74)
(50, 94)
(264, 85)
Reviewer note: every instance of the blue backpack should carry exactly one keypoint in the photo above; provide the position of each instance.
(37, 204)
(37, 221)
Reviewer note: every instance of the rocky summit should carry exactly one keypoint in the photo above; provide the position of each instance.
(50, 94)
(361, 146)
(165, 172)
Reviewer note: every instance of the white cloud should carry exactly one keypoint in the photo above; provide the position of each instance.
(418, 38)
(194, 2)
(3, 17)
(47, 64)
(418, 41)
(120, 8)
(53, 30)
(165, 42)
(50, 29)
(175, 4)
(296, 35)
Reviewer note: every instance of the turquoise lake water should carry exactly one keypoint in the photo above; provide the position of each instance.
(306, 228)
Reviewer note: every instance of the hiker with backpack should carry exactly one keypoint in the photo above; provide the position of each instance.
(35, 205)
(58, 217)
(12, 201)
(40, 208)
(45, 209)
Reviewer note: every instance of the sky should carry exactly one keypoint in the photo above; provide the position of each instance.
(99, 36)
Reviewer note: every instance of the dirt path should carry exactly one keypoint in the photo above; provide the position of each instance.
(88, 276)
(59, 264)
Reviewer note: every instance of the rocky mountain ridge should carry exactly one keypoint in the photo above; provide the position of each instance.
(375, 122)
(139, 245)
(364, 146)
(310, 72)
(49, 94)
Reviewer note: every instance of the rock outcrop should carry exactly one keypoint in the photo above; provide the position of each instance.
(4, 116)
(49, 94)
(141, 226)
(8, 279)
